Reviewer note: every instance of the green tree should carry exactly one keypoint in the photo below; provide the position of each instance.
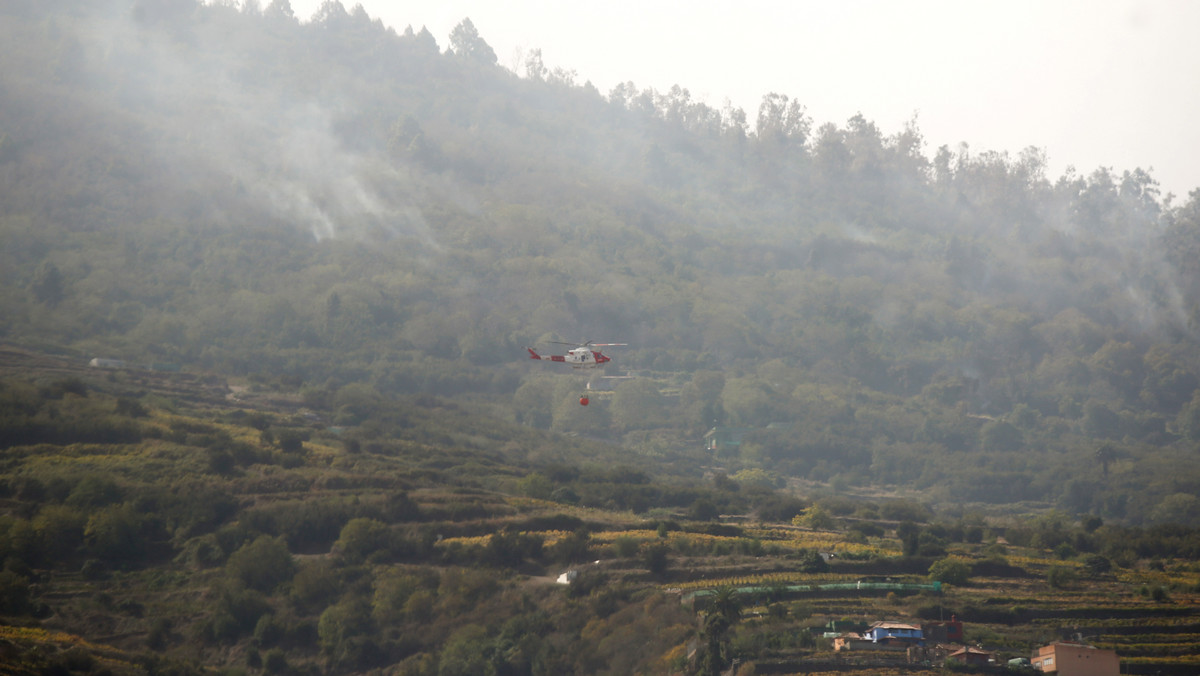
(93, 492)
(279, 9)
(116, 533)
(573, 548)
(757, 478)
(910, 538)
(315, 585)
(951, 571)
(713, 656)
(355, 403)
(703, 509)
(361, 537)
(656, 557)
(344, 631)
(1168, 383)
(1061, 577)
(781, 121)
(236, 612)
(1188, 421)
(725, 602)
(533, 402)
(275, 661)
(536, 485)
(831, 157)
(14, 593)
(638, 404)
(625, 547)
(1123, 365)
(1100, 421)
(330, 12)
(535, 69)
(509, 548)
(724, 611)
(60, 532)
(19, 542)
(815, 517)
(810, 561)
(468, 652)
(393, 591)
(750, 402)
(48, 285)
(465, 42)
(292, 440)
(700, 400)
(1096, 564)
(263, 564)
(1177, 508)
(1000, 435)
(1106, 454)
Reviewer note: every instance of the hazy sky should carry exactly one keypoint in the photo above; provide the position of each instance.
(1113, 83)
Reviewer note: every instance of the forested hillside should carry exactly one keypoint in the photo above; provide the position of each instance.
(328, 207)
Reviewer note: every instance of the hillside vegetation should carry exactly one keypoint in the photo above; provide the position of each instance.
(153, 527)
(315, 250)
(331, 204)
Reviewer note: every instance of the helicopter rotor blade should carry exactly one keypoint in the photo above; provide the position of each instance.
(586, 344)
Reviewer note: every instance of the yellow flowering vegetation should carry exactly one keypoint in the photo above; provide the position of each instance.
(549, 538)
(764, 580)
(1041, 563)
(37, 642)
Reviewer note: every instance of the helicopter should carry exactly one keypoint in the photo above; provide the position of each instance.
(581, 356)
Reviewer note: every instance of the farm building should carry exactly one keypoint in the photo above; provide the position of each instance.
(943, 632)
(725, 438)
(895, 632)
(1075, 659)
(855, 641)
(972, 657)
(881, 636)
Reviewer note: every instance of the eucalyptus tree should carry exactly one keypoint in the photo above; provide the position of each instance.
(466, 42)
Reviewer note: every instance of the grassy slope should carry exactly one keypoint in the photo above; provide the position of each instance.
(462, 474)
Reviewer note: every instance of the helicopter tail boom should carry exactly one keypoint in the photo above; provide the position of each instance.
(549, 357)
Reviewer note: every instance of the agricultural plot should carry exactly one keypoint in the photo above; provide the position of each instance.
(142, 533)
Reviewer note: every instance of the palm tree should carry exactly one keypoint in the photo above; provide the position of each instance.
(723, 611)
(726, 604)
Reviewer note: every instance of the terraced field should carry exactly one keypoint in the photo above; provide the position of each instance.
(423, 547)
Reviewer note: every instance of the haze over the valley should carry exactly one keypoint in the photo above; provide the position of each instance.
(1107, 83)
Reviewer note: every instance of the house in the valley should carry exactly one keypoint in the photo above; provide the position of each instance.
(895, 633)
(943, 632)
(972, 657)
(853, 641)
(725, 439)
(895, 636)
(1075, 659)
(729, 439)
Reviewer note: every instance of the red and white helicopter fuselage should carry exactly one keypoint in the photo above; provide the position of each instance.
(581, 357)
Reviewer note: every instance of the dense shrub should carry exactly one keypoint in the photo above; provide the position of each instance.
(14, 593)
(262, 565)
(120, 534)
(362, 537)
(236, 612)
(951, 571)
